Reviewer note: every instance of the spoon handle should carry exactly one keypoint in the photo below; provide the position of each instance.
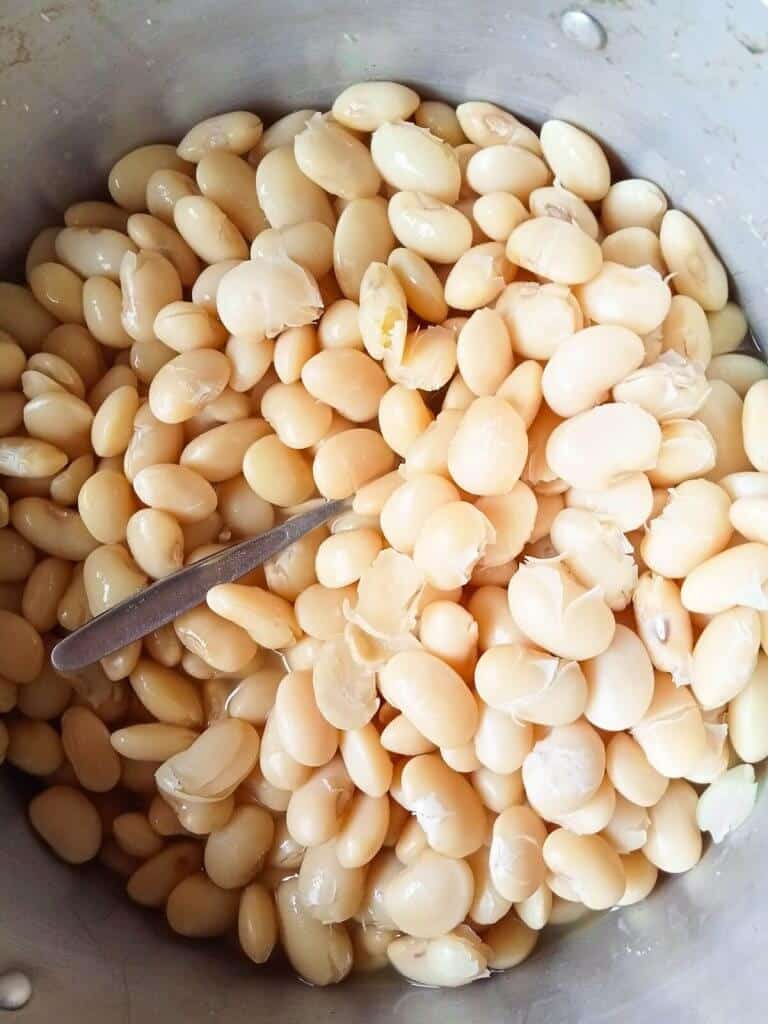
(171, 596)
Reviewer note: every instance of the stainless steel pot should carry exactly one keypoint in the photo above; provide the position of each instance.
(678, 92)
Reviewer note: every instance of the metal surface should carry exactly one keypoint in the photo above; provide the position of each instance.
(678, 95)
(161, 602)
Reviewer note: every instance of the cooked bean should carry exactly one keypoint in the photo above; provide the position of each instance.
(748, 716)
(431, 695)
(593, 448)
(292, 349)
(576, 159)
(430, 896)
(220, 643)
(612, 352)
(637, 298)
(429, 227)
(23, 317)
(348, 460)
(507, 168)
(367, 762)
(68, 822)
(43, 247)
(257, 923)
(515, 858)
(479, 276)
(153, 882)
(452, 539)
(698, 272)
(586, 867)
(61, 419)
(674, 842)
(539, 317)
(230, 183)
(366, 106)
(348, 381)
(445, 804)
(597, 553)
(728, 327)
(164, 189)
(106, 502)
(86, 743)
(21, 649)
(59, 290)
(410, 157)
(320, 953)
(552, 785)
(555, 249)
(285, 194)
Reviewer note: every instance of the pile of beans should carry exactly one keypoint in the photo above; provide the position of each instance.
(489, 695)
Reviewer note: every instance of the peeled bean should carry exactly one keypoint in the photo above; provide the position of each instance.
(453, 538)
(187, 383)
(698, 272)
(552, 786)
(559, 614)
(68, 822)
(748, 716)
(554, 249)
(592, 449)
(674, 842)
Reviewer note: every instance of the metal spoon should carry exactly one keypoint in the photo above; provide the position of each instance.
(164, 600)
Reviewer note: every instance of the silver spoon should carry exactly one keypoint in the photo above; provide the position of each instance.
(164, 600)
